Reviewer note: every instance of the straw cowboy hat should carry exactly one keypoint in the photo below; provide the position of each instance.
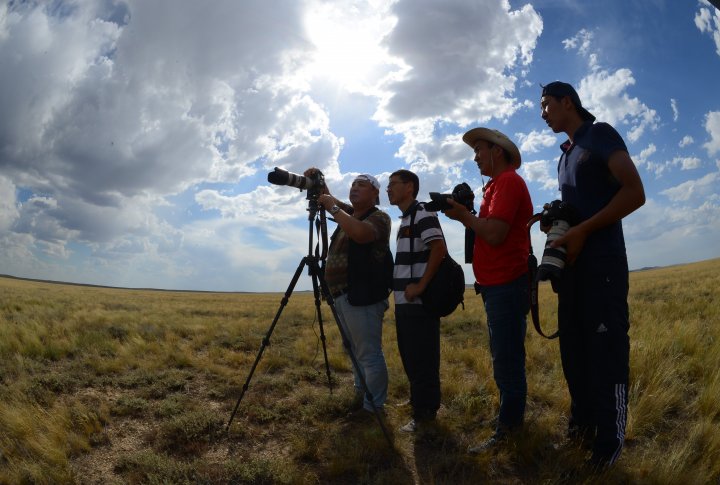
(495, 137)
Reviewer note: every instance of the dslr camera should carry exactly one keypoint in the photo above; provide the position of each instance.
(560, 216)
(462, 194)
(313, 184)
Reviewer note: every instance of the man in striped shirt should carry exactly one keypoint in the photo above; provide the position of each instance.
(420, 249)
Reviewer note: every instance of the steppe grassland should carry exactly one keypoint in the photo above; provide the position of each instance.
(106, 385)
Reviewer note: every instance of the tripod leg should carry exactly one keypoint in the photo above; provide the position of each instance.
(314, 270)
(316, 292)
(266, 340)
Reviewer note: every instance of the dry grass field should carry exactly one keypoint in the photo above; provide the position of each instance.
(113, 386)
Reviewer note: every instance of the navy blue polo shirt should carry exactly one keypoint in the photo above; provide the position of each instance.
(588, 185)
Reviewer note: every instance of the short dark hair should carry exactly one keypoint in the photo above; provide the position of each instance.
(408, 176)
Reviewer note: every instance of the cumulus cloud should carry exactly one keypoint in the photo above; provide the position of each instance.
(707, 20)
(687, 140)
(688, 163)
(582, 42)
(643, 158)
(660, 168)
(542, 172)
(707, 187)
(646, 160)
(676, 112)
(135, 135)
(604, 92)
(446, 80)
(681, 237)
(111, 109)
(535, 141)
(8, 205)
(113, 106)
(712, 126)
(646, 156)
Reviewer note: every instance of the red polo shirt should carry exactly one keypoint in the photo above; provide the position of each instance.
(506, 198)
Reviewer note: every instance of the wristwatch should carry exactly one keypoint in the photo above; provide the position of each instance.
(334, 209)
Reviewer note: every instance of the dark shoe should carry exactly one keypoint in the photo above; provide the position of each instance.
(496, 440)
(363, 414)
(425, 430)
(596, 465)
(582, 436)
(579, 474)
(409, 427)
(357, 402)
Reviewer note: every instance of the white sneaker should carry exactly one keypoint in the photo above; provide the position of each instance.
(410, 427)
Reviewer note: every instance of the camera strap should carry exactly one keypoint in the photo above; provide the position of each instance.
(532, 281)
(414, 209)
(322, 240)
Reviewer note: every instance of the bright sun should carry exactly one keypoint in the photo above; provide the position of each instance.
(347, 50)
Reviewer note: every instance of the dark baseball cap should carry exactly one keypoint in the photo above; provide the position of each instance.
(560, 89)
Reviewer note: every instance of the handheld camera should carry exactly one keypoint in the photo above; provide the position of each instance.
(462, 194)
(560, 216)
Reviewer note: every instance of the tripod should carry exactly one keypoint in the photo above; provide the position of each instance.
(319, 284)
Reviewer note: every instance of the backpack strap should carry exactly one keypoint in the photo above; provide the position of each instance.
(412, 235)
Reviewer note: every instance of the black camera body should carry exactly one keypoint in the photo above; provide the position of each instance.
(560, 216)
(462, 194)
(314, 183)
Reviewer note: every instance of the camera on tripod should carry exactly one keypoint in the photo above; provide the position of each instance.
(560, 216)
(462, 194)
(314, 184)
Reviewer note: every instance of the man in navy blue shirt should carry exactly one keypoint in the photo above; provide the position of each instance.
(600, 181)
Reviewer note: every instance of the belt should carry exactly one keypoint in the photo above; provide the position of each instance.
(335, 294)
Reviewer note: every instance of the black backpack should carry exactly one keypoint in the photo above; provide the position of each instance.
(447, 288)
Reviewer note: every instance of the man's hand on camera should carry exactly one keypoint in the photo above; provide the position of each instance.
(457, 212)
(310, 173)
(543, 227)
(573, 240)
(327, 201)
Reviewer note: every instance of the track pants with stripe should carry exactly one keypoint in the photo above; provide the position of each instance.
(593, 320)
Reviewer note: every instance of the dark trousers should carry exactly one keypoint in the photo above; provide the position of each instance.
(418, 338)
(593, 321)
(506, 306)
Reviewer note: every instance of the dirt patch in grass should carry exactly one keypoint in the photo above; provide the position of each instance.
(123, 436)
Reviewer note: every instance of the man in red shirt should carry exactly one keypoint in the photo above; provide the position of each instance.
(500, 264)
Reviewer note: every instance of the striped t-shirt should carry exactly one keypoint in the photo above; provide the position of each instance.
(426, 229)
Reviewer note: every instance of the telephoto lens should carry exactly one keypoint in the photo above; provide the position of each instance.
(553, 259)
(283, 177)
(560, 216)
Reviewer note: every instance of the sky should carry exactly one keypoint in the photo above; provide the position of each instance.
(136, 136)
